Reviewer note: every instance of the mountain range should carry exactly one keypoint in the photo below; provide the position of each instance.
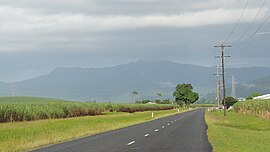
(115, 84)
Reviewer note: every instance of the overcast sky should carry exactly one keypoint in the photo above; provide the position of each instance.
(37, 36)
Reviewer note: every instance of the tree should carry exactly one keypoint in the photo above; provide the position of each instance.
(253, 95)
(166, 101)
(184, 95)
(230, 101)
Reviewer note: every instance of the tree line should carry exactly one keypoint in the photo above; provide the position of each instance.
(183, 94)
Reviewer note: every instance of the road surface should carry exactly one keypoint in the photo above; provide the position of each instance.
(184, 132)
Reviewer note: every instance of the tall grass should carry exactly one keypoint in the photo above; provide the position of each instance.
(259, 108)
(29, 111)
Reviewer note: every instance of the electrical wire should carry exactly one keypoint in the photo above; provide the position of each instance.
(263, 34)
(239, 19)
(252, 23)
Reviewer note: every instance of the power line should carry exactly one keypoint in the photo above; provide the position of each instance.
(262, 33)
(265, 19)
(229, 36)
(251, 24)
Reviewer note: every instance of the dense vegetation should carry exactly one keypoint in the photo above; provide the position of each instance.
(259, 108)
(184, 94)
(12, 110)
(230, 101)
(253, 95)
(166, 101)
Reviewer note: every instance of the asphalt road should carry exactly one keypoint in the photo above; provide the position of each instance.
(185, 132)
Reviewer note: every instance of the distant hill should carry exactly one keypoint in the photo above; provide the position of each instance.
(260, 85)
(116, 83)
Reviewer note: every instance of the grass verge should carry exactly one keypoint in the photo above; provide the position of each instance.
(238, 132)
(22, 136)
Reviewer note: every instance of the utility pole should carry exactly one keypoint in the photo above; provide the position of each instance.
(219, 94)
(217, 86)
(223, 73)
(233, 93)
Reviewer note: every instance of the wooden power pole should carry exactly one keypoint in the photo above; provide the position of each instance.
(217, 86)
(223, 73)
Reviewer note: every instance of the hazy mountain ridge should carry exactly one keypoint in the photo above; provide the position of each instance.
(261, 85)
(116, 83)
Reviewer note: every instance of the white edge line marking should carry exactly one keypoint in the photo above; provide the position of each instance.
(156, 130)
(131, 143)
(146, 135)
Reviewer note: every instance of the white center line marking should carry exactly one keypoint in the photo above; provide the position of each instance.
(131, 143)
(156, 130)
(163, 127)
(146, 135)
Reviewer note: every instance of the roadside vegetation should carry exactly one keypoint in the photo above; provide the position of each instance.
(13, 109)
(184, 94)
(259, 108)
(253, 95)
(238, 132)
(165, 101)
(24, 136)
(202, 105)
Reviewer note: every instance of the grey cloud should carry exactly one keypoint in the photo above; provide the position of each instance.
(95, 33)
(130, 7)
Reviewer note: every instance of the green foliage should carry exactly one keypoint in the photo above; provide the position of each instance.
(184, 95)
(253, 95)
(28, 111)
(143, 101)
(166, 101)
(230, 101)
(259, 108)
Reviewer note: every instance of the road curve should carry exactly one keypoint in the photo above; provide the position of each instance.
(184, 132)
